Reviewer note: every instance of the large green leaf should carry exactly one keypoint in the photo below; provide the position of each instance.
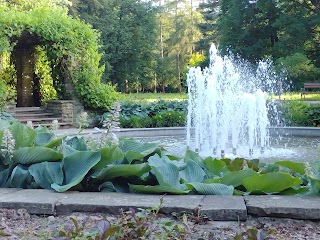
(23, 135)
(54, 143)
(314, 170)
(271, 182)
(46, 173)
(237, 164)
(109, 155)
(166, 172)
(4, 175)
(135, 150)
(76, 166)
(4, 124)
(1, 136)
(215, 166)
(43, 138)
(294, 166)
(233, 178)
(123, 170)
(212, 188)
(68, 150)
(313, 174)
(107, 187)
(158, 189)
(193, 156)
(47, 139)
(20, 177)
(77, 143)
(30, 155)
(192, 172)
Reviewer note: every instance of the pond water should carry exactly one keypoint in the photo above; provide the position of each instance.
(297, 149)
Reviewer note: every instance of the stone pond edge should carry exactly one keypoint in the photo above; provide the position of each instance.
(223, 208)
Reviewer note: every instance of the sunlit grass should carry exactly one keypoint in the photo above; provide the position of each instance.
(296, 96)
(151, 97)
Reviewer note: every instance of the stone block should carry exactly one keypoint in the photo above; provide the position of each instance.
(299, 207)
(225, 208)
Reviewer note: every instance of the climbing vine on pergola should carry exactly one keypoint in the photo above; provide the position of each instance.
(71, 47)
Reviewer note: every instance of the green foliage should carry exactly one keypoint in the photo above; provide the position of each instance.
(133, 166)
(299, 69)
(252, 234)
(136, 122)
(7, 90)
(156, 114)
(71, 47)
(256, 30)
(3, 95)
(44, 73)
(299, 113)
(130, 224)
(169, 119)
(128, 37)
(145, 223)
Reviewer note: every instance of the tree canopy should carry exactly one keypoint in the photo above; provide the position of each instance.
(149, 45)
(286, 31)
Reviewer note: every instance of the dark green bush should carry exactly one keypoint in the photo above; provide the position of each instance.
(154, 114)
(298, 113)
(136, 122)
(169, 119)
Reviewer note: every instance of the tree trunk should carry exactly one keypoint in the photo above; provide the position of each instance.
(179, 72)
(24, 60)
(24, 64)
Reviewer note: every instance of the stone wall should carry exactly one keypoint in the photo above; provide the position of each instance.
(68, 110)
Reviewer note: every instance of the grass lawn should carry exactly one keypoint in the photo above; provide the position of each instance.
(151, 97)
(296, 96)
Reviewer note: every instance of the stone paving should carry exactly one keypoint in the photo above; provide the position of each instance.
(225, 208)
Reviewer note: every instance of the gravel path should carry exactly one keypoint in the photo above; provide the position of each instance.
(18, 224)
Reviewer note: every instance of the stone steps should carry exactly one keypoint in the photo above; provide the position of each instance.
(38, 116)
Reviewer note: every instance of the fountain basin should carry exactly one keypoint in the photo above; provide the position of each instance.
(286, 143)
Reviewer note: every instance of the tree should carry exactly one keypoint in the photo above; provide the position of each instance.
(283, 30)
(128, 34)
(208, 26)
(247, 28)
(177, 36)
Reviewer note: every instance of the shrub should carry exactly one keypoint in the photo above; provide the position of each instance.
(169, 119)
(155, 114)
(136, 122)
(298, 113)
(300, 69)
(71, 47)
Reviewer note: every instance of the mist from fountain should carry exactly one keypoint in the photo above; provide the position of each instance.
(227, 107)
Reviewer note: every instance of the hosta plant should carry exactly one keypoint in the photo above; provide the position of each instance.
(36, 158)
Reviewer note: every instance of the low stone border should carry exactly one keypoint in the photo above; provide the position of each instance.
(228, 208)
(181, 131)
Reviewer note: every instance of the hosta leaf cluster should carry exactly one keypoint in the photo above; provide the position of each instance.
(41, 160)
(153, 114)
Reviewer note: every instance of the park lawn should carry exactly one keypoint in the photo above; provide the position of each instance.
(151, 97)
(296, 96)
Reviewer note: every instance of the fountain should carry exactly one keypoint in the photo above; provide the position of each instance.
(227, 108)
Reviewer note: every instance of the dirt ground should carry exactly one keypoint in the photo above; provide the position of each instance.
(18, 224)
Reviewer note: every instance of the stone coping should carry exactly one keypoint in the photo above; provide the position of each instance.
(181, 131)
(222, 208)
